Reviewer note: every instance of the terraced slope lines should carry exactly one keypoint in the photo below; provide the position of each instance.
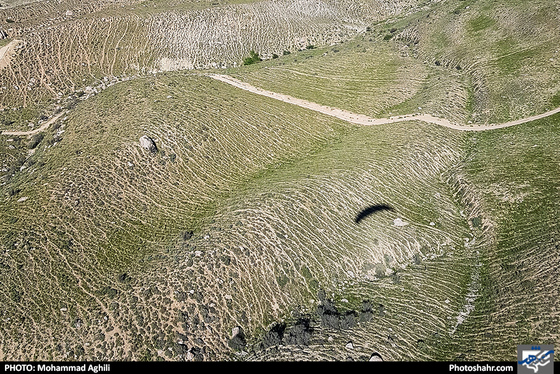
(381, 183)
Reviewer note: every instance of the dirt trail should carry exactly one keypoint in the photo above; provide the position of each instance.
(6, 53)
(342, 114)
(361, 119)
(43, 127)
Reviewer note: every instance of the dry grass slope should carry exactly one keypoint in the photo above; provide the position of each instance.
(72, 45)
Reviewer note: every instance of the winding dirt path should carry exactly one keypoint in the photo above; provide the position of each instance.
(43, 127)
(342, 114)
(361, 119)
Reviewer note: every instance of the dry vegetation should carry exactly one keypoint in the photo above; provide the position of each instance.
(243, 216)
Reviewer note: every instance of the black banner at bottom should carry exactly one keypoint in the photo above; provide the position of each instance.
(126, 366)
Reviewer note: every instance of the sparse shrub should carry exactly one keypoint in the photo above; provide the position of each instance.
(476, 222)
(283, 280)
(388, 36)
(187, 235)
(310, 47)
(19, 162)
(285, 53)
(252, 59)
(380, 270)
(555, 100)
(274, 55)
(7, 122)
(13, 191)
(124, 278)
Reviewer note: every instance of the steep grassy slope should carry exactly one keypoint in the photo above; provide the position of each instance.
(507, 49)
(292, 237)
(498, 291)
(135, 280)
(245, 217)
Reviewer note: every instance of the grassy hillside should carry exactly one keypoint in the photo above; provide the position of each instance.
(91, 205)
(518, 189)
(478, 61)
(236, 237)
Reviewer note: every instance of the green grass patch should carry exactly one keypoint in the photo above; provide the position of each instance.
(480, 23)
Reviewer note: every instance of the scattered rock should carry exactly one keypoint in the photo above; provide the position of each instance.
(22, 199)
(181, 350)
(349, 345)
(148, 143)
(375, 357)
(331, 318)
(399, 222)
(195, 354)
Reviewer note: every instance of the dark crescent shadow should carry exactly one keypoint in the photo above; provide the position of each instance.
(370, 210)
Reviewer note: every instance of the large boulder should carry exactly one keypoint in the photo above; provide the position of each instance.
(148, 143)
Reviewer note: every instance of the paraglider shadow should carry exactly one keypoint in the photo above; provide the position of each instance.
(364, 213)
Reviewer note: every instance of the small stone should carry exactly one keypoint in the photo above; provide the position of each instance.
(399, 222)
(349, 345)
